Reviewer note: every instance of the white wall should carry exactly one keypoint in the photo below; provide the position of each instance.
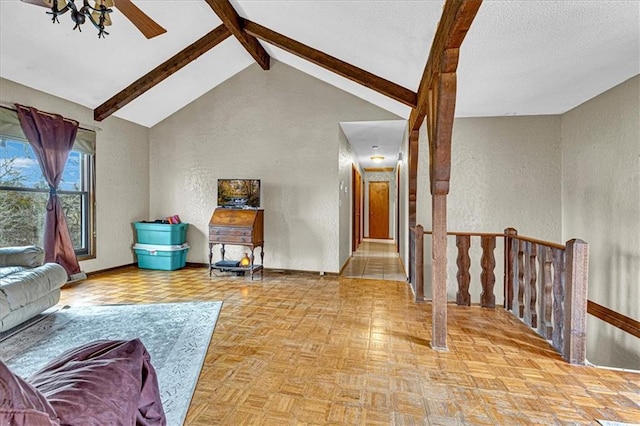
(505, 172)
(403, 201)
(122, 173)
(346, 158)
(601, 205)
(280, 126)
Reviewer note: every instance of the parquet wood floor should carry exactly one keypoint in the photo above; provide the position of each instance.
(309, 349)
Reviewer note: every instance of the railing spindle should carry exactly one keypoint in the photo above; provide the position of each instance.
(526, 317)
(545, 325)
(508, 267)
(487, 277)
(463, 242)
(533, 314)
(520, 293)
(558, 298)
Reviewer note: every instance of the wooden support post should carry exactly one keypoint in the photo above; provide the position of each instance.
(439, 272)
(437, 102)
(508, 267)
(575, 302)
(419, 277)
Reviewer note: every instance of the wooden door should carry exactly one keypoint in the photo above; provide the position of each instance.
(378, 209)
(356, 234)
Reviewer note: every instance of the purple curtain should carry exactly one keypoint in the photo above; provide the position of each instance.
(51, 137)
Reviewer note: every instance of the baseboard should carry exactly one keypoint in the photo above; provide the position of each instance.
(115, 268)
(345, 265)
(196, 265)
(206, 265)
(298, 271)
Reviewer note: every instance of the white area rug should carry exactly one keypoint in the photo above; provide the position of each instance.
(176, 336)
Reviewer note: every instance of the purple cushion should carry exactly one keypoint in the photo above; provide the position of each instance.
(21, 403)
(104, 382)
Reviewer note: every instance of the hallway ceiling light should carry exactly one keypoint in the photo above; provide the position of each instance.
(377, 158)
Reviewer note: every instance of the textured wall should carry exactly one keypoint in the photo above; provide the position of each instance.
(505, 172)
(279, 126)
(122, 174)
(601, 205)
(345, 194)
(403, 165)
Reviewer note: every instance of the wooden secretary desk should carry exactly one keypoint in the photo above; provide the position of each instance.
(242, 227)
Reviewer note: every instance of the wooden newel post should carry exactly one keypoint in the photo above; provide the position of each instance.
(575, 302)
(508, 267)
(419, 271)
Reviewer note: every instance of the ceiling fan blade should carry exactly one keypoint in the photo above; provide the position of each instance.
(146, 25)
(38, 3)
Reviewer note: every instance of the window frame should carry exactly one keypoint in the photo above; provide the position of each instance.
(86, 192)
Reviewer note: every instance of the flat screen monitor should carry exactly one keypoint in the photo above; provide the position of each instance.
(239, 193)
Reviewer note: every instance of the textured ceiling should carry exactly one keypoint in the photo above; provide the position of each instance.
(519, 57)
(373, 138)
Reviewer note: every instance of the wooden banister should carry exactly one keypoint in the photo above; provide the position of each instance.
(545, 284)
(539, 242)
(614, 318)
(469, 234)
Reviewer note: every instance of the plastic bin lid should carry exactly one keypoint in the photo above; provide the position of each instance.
(160, 247)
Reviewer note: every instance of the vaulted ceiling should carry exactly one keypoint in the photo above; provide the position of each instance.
(519, 57)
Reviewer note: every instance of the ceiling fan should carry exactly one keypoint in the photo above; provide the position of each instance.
(98, 14)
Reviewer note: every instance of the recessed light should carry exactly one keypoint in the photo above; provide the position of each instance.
(377, 158)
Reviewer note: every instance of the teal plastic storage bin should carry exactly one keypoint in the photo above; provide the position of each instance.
(161, 233)
(162, 257)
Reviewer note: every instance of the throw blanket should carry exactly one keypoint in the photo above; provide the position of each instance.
(103, 382)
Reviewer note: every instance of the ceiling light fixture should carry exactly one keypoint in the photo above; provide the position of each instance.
(98, 14)
(377, 158)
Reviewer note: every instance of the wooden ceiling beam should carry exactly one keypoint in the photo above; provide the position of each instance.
(456, 20)
(333, 64)
(233, 22)
(162, 71)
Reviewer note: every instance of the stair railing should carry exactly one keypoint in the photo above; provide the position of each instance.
(545, 284)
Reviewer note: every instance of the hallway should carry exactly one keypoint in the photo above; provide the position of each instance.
(375, 259)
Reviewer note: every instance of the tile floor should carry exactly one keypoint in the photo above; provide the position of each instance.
(375, 259)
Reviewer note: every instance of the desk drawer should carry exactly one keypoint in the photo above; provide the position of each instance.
(244, 232)
(229, 239)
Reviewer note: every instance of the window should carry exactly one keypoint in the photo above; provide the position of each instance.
(24, 191)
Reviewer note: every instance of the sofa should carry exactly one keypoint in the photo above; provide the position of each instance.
(28, 286)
